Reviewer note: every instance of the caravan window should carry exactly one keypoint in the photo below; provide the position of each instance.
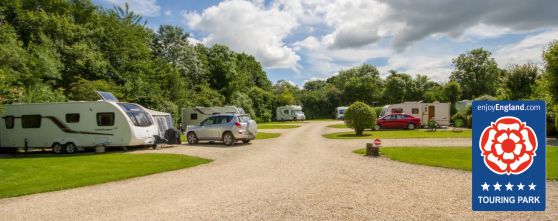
(286, 111)
(137, 114)
(31, 121)
(9, 120)
(72, 118)
(396, 110)
(193, 116)
(105, 119)
(415, 111)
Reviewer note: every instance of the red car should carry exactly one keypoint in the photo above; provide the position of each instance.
(397, 121)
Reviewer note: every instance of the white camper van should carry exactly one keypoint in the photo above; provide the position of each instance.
(73, 126)
(440, 112)
(195, 115)
(340, 112)
(290, 112)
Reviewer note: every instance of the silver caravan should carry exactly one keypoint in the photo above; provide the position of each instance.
(440, 112)
(73, 126)
(340, 113)
(195, 115)
(289, 112)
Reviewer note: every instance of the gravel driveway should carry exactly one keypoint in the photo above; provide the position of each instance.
(298, 176)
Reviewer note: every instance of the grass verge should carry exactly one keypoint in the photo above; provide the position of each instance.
(337, 126)
(22, 175)
(263, 135)
(400, 134)
(278, 126)
(452, 157)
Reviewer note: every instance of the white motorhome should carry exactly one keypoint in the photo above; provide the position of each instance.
(340, 113)
(195, 115)
(73, 126)
(440, 112)
(289, 112)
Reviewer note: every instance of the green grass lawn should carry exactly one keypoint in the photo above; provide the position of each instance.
(452, 157)
(401, 134)
(263, 135)
(280, 122)
(337, 126)
(22, 175)
(277, 126)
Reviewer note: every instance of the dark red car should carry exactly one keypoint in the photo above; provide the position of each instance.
(397, 121)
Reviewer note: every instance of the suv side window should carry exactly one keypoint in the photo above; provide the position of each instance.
(208, 121)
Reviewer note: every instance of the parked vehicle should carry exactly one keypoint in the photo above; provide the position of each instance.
(397, 121)
(227, 128)
(74, 126)
(340, 113)
(195, 115)
(165, 127)
(290, 112)
(439, 112)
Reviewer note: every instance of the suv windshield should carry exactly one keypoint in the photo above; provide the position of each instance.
(138, 116)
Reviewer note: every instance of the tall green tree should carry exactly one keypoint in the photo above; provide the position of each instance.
(550, 56)
(477, 73)
(520, 80)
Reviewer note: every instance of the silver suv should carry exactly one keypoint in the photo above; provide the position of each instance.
(228, 128)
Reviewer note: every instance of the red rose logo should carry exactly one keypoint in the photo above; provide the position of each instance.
(508, 146)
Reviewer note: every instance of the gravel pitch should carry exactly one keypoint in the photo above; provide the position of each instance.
(298, 176)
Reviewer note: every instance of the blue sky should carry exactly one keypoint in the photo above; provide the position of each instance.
(302, 40)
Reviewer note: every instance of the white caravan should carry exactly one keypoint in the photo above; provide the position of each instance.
(73, 126)
(195, 115)
(440, 112)
(289, 112)
(340, 113)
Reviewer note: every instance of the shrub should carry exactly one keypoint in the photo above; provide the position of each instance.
(432, 124)
(360, 116)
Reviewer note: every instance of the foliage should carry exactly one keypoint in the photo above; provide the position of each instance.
(550, 56)
(477, 73)
(360, 116)
(520, 80)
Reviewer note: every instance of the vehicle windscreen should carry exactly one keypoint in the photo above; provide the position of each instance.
(138, 116)
(297, 112)
(341, 111)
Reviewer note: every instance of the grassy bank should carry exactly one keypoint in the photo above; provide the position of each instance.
(263, 135)
(401, 134)
(277, 126)
(337, 126)
(22, 175)
(452, 157)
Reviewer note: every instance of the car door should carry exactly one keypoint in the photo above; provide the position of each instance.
(388, 121)
(399, 121)
(204, 131)
(218, 126)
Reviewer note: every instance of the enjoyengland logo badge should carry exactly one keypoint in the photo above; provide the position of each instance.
(509, 156)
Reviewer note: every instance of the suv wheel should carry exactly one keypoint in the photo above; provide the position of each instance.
(228, 139)
(192, 138)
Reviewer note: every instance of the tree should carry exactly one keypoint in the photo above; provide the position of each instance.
(520, 80)
(550, 56)
(452, 91)
(360, 116)
(262, 102)
(395, 90)
(477, 73)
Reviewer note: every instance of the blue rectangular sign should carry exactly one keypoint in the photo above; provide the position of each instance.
(509, 156)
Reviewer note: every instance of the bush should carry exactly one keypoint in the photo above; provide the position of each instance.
(360, 116)
(432, 124)
(378, 110)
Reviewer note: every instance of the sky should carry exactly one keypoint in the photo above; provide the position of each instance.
(304, 40)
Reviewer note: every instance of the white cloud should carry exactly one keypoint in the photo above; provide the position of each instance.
(168, 13)
(436, 67)
(148, 8)
(248, 27)
(527, 50)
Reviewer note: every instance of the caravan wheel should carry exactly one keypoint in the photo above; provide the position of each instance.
(70, 148)
(57, 148)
